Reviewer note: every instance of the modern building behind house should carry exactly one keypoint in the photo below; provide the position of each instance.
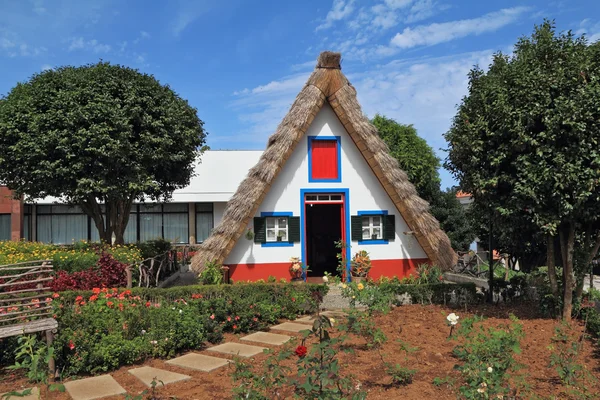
(187, 219)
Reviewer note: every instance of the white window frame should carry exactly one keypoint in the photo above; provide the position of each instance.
(277, 228)
(371, 227)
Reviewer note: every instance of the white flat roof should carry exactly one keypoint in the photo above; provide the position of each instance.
(216, 178)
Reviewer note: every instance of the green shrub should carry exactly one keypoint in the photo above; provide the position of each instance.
(102, 329)
(153, 248)
(487, 356)
(212, 274)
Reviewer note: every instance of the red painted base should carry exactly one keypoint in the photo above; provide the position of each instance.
(390, 268)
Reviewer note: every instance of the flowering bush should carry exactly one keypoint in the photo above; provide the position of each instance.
(102, 329)
(487, 356)
(361, 264)
(77, 257)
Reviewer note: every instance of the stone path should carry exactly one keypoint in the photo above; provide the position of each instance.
(105, 385)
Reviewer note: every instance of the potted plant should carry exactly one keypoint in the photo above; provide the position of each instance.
(360, 265)
(296, 269)
(374, 236)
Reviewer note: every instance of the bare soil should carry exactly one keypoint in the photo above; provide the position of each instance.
(423, 327)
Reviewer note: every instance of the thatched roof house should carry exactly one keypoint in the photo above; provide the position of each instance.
(253, 225)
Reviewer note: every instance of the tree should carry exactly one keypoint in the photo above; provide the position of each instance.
(414, 155)
(99, 136)
(421, 165)
(525, 141)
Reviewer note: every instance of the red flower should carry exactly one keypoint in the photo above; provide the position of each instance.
(301, 351)
(109, 303)
(235, 327)
(94, 297)
(228, 319)
(212, 316)
(71, 345)
(293, 299)
(96, 290)
(55, 295)
(78, 298)
(148, 304)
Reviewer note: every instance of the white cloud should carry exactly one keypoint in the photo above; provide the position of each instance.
(340, 10)
(421, 91)
(46, 67)
(94, 45)
(590, 29)
(187, 12)
(436, 33)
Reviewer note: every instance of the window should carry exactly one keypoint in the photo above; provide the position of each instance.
(273, 229)
(372, 227)
(277, 229)
(204, 221)
(168, 221)
(61, 224)
(4, 226)
(324, 159)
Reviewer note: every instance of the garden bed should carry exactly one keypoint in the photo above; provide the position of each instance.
(420, 326)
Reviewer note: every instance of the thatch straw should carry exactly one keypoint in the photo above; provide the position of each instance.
(326, 83)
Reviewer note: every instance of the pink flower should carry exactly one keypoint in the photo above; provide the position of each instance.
(228, 319)
(71, 345)
(212, 316)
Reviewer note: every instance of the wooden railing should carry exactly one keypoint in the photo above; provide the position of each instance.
(25, 300)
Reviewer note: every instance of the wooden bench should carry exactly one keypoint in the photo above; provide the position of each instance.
(25, 301)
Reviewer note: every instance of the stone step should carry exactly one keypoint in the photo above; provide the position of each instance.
(310, 319)
(290, 327)
(273, 339)
(93, 388)
(161, 376)
(198, 362)
(237, 349)
(33, 395)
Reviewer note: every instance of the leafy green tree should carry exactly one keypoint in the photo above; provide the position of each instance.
(421, 165)
(525, 141)
(414, 155)
(99, 136)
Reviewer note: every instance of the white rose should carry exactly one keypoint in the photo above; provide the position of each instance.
(325, 279)
(490, 370)
(331, 321)
(143, 331)
(452, 319)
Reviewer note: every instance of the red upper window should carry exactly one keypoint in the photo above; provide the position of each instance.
(324, 159)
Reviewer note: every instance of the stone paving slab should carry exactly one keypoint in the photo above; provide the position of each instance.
(34, 395)
(94, 388)
(290, 327)
(267, 338)
(198, 362)
(237, 349)
(148, 374)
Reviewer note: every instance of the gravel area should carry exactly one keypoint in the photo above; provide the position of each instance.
(333, 300)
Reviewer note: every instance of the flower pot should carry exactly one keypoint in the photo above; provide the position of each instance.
(373, 237)
(279, 238)
(357, 279)
(297, 280)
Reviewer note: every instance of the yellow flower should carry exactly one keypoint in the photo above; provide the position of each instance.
(360, 286)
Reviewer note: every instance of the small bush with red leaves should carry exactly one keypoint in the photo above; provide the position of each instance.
(108, 272)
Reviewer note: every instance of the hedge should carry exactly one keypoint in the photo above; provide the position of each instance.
(103, 329)
(433, 293)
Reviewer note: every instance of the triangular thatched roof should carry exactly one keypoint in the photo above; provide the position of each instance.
(327, 83)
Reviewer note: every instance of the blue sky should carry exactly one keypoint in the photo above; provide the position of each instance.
(241, 63)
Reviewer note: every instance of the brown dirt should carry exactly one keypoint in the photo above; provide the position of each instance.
(420, 326)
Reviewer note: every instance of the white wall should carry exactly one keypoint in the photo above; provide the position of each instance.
(218, 210)
(366, 193)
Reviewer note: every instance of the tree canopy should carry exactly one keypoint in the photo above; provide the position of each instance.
(100, 136)
(421, 165)
(525, 139)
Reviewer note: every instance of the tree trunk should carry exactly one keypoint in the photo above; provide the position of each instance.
(551, 262)
(113, 220)
(567, 244)
(490, 298)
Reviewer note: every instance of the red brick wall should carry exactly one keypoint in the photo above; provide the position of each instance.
(8, 205)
